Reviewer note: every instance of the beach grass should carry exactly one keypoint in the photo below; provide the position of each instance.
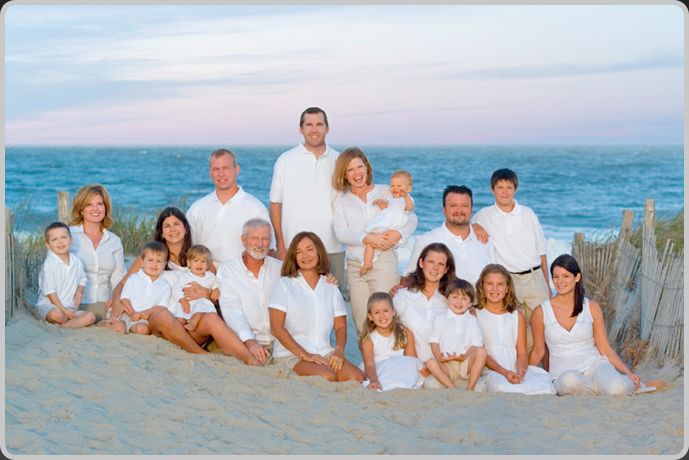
(665, 229)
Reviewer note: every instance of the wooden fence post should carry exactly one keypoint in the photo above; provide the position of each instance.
(10, 275)
(63, 208)
(649, 214)
(626, 229)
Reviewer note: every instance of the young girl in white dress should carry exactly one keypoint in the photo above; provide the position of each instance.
(581, 358)
(387, 348)
(504, 335)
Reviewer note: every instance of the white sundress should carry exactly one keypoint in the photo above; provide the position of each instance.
(500, 339)
(394, 369)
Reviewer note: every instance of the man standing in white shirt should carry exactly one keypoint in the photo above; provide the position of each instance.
(470, 254)
(520, 245)
(301, 192)
(216, 220)
(246, 282)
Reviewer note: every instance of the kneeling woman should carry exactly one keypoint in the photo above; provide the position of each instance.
(304, 309)
(504, 335)
(572, 326)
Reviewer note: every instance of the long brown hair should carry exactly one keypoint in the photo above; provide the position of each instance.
(290, 268)
(509, 303)
(81, 200)
(417, 279)
(340, 182)
(398, 330)
(171, 211)
(570, 264)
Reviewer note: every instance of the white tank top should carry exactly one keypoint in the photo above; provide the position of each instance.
(500, 336)
(569, 350)
(382, 347)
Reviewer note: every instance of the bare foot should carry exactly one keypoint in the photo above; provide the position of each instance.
(659, 384)
(190, 327)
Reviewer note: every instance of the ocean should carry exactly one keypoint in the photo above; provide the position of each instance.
(571, 188)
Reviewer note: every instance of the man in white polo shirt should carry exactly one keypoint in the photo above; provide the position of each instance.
(519, 241)
(301, 192)
(246, 282)
(216, 220)
(470, 254)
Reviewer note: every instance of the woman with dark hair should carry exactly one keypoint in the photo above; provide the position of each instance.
(419, 302)
(304, 309)
(572, 326)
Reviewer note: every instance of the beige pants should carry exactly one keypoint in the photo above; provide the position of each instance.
(337, 268)
(381, 278)
(456, 370)
(531, 290)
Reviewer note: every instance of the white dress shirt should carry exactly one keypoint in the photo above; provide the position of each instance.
(104, 265)
(303, 184)
(470, 254)
(517, 236)
(456, 333)
(417, 312)
(351, 215)
(310, 313)
(61, 279)
(218, 226)
(144, 293)
(244, 298)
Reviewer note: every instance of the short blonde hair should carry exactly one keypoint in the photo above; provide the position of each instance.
(402, 173)
(340, 174)
(81, 200)
(198, 250)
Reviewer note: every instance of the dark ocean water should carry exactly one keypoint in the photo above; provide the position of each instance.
(571, 188)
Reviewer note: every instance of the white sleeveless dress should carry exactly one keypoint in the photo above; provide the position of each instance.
(500, 339)
(394, 369)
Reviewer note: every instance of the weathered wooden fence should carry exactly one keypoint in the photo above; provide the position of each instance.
(641, 291)
(12, 286)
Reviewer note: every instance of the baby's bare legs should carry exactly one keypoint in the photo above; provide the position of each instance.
(439, 373)
(193, 321)
(368, 260)
(181, 321)
(477, 361)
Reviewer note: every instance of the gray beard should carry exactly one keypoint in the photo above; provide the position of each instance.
(256, 254)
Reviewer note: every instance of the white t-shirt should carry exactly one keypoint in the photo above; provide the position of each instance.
(351, 214)
(517, 236)
(202, 305)
(244, 298)
(60, 279)
(218, 226)
(303, 184)
(456, 333)
(104, 265)
(310, 313)
(144, 293)
(470, 254)
(417, 312)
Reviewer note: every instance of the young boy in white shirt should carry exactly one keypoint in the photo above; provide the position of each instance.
(61, 281)
(145, 290)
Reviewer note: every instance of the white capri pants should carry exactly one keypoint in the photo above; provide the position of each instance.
(600, 379)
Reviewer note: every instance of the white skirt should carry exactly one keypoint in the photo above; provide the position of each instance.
(398, 371)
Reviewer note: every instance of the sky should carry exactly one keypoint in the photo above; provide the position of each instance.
(386, 75)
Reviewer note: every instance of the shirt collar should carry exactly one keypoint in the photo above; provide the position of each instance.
(148, 279)
(239, 194)
(451, 314)
(56, 257)
(470, 237)
(516, 210)
(304, 150)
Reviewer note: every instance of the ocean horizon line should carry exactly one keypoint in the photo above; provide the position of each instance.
(406, 145)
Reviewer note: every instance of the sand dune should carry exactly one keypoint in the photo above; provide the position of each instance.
(94, 392)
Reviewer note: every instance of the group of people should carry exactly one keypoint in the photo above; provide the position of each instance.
(266, 285)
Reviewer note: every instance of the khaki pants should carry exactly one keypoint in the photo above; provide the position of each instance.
(381, 278)
(531, 290)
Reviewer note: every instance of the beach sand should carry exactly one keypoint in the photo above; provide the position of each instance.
(92, 391)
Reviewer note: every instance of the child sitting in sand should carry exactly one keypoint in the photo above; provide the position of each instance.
(198, 264)
(456, 340)
(61, 281)
(394, 215)
(387, 348)
(145, 290)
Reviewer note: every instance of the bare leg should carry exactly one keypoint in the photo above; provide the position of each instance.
(212, 325)
(439, 373)
(193, 322)
(477, 361)
(140, 328)
(303, 368)
(163, 324)
(368, 260)
(349, 371)
(83, 319)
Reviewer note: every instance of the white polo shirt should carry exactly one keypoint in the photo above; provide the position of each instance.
(144, 293)
(218, 226)
(310, 313)
(517, 236)
(244, 298)
(351, 214)
(470, 254)
(104, 265)
(61, 279)
(456, 333)
(417, 312)
(303, 184)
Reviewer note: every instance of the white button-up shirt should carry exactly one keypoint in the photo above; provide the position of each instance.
(144, 293)
(218, 226)
(310, 313)
(244, 298)
(351, 215)
(456, 333)
(417, 312)
(61, 279)
(104, 265)
(303, 184)
(470, 254)
(517, 236)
